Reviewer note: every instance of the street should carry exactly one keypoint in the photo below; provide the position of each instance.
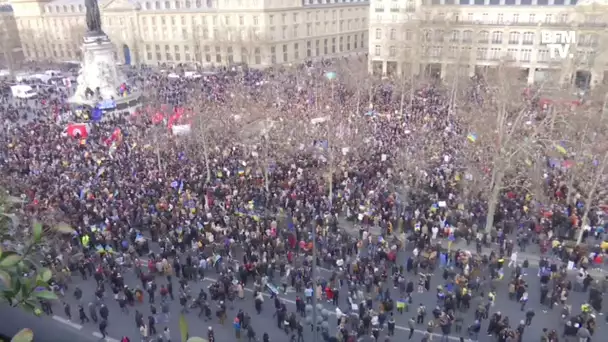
(121, 324)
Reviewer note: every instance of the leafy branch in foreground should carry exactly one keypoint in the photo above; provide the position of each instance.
(23, 281)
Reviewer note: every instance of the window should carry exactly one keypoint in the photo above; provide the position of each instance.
(439, 34)
(333, 45)
(467, 36)
(325, 46)
(273, 55)
(167, 5)
(341, 44)
(548, 18)
(543, 55)
(218, 54)
(426, 36)
(178, 5)
(393, 51)
(295, 31)
(563, 18)
(496, 37)
(514, 38)
(532, 18)
(500, 18)
(378, 33)
(528, 38)
(296, 51)
(409, 35)
(271, 19)
(244, 54)
(285, 54)
(482, 53)
(483, 37)
(198, 3)
(377, 50)
(317, 47)
(188, 5)
(494, 54)
(455, 36)
(208, 54)
(230, 55)
(512, 54)
(308, 49)
(258, 55)
(515, 18)
(393, 34)
(241, 20)
(256, 20)
(526, 54)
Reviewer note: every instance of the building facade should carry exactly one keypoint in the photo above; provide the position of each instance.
(11, 54)
(448, 37)
(203, 32)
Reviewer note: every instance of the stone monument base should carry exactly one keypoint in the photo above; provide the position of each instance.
(98, 74)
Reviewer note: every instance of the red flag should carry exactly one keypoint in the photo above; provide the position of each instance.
(116, 135)
(173, 120)
(158, 118)
(79, 130)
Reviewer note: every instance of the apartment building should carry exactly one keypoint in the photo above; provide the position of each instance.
(448, 37)
(203, 32)
(11, 53)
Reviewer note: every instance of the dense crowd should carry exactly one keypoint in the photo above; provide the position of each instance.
(251, 179)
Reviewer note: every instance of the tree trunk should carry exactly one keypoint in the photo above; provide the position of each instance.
(588, 201)
(570, 188)
(206, 155)
(493, 201)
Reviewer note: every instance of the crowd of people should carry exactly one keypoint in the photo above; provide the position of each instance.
(229, 188)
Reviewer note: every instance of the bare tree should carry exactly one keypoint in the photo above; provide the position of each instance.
(500, 137)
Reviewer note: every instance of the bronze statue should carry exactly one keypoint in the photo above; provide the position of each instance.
(93, 16)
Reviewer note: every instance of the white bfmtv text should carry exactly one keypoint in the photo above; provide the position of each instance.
(558, 43)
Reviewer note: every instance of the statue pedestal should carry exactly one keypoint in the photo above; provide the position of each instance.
(99, 74)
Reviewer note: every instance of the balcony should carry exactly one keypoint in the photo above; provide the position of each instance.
(496, 41)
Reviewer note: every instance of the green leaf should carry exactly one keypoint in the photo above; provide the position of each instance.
(24, 335)
(37, 228)
(183, 328)
(45, 274)
(5, 278)
(197, 339)
(10, 261)
(64, 228)
(45, 295)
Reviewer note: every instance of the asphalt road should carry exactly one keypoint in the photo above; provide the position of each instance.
(124, 324)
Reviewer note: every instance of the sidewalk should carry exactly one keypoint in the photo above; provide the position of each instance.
(532, 253)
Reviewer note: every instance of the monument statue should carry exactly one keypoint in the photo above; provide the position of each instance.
(93, 16)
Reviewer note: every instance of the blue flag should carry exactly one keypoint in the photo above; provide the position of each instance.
(96, 114)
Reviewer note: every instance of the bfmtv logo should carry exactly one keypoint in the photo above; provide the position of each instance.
(558, 43)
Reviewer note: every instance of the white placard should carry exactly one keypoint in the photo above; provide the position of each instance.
(384, 156)
(442, 204)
